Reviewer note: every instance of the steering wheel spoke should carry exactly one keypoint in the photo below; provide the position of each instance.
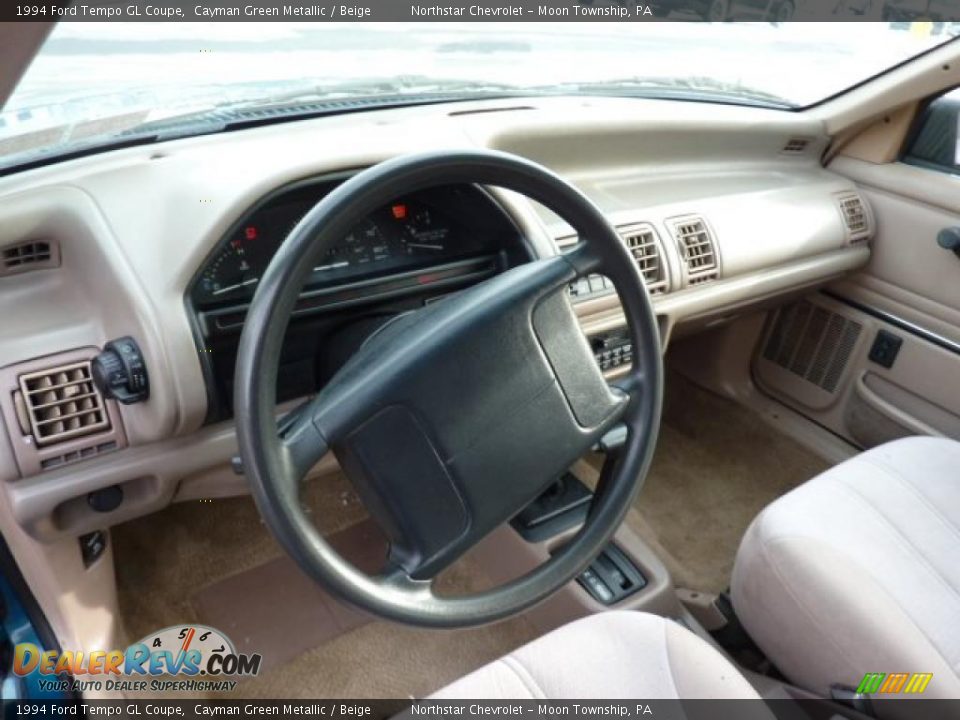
(303, 444)
(584, 259)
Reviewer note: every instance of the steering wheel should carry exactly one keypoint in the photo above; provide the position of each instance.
(451, 419)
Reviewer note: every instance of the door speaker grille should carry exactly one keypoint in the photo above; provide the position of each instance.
(812, 343)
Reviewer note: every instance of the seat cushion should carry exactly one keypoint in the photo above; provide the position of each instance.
(610, 655)
(858, 570)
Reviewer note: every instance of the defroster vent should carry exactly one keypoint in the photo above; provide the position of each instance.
(812, 342)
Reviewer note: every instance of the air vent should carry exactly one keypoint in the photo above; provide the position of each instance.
(697, 250)
(855, 217)
(795, 146)
(643, 244)
(812, 343)
(62, 403)
(29, 256)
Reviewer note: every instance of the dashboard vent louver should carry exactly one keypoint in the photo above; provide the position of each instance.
(855, 217)
(812, 343)
(795, 146)
(643, 244)
(62, 403)
(697, 250)
(29, 256)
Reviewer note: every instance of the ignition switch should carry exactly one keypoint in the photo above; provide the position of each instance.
(120, 371)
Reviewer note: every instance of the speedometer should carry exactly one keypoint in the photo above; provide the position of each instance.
(365, 244)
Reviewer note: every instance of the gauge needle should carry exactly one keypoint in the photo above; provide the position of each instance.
(331, 266)
(228, 288)
(425, 246)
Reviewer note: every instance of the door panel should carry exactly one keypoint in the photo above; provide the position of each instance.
(910, 290)
(815, 356)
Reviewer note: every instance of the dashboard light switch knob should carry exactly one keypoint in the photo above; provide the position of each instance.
(120, 372)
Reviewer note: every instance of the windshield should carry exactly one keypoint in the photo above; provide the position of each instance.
(93, 83)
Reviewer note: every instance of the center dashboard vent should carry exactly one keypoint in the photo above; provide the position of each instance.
(62, 403)
(697, 248)
(856, 217)
(32, 255)
(644, 245)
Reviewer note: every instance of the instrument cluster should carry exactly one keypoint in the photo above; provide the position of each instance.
(419, 231)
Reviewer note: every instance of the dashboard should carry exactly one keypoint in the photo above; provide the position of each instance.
(724, 211)
(411, 251)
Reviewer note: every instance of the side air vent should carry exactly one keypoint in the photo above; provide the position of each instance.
(697, 249)
(62, 403)
(29, 256)
(812, 343)
(856, 219)
(644, 245)
(795, 146)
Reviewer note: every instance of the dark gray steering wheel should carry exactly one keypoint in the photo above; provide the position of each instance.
(453, 418)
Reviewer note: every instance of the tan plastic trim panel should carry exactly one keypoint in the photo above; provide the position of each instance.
(881, 141)
(94, 296)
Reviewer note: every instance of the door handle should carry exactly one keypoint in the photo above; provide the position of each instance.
(949, 239)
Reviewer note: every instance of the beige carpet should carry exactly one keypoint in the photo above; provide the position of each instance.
(181, 566)
(716, 466)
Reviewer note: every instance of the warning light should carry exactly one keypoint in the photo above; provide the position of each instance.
(250, 232)
(399, 211)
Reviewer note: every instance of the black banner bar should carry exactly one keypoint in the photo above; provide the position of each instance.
(938, 11)
(588, 709)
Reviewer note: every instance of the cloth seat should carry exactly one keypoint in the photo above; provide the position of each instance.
(610, 655)
(858, 571)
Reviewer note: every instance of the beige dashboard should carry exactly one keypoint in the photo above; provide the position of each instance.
(727, 207)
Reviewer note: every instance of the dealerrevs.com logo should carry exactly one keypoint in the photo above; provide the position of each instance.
(180, 657)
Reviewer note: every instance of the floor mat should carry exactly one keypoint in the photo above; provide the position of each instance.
(215, 563)
(716, 466)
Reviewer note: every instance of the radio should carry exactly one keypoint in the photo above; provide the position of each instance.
(612, 348)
